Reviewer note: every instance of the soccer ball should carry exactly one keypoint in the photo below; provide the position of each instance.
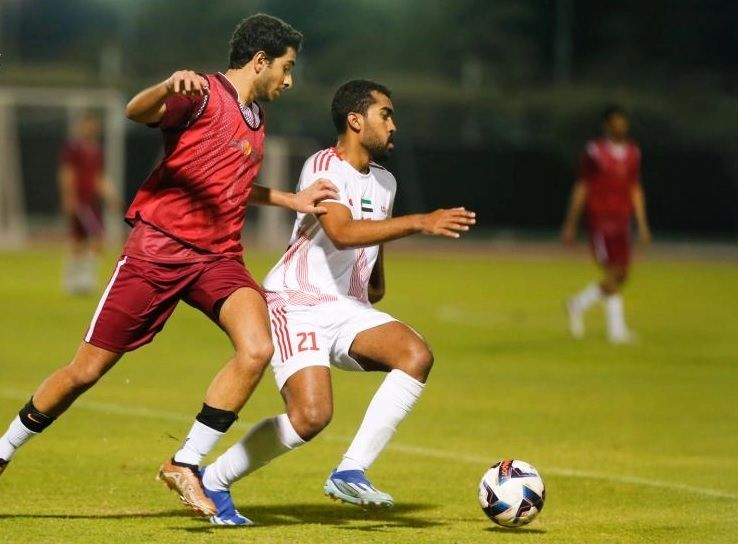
(511, 493)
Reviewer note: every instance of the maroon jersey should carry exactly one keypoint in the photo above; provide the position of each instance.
(610, 171)
(213, 149)
(85, 159)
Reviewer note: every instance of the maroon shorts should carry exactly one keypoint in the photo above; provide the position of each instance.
(611, 247)
(87, 223)
(141, 295)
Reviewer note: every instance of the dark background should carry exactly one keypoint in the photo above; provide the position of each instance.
(494, 99)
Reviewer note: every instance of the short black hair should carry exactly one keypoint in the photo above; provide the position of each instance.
(612, 110)
(354, 96)
(262, 32)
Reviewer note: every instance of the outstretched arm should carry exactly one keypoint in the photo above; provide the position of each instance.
(149, 105)
(346, 232)
(639, 207)
(376, 280)
(576, 206)
(305, 201)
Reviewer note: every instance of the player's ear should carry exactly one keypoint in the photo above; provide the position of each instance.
(355, 121)
(261, 61)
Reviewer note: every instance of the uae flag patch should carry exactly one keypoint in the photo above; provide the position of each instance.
(366, 205)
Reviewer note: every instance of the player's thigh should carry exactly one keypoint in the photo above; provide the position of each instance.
(229, 296)
(390, 346)
(245, 319)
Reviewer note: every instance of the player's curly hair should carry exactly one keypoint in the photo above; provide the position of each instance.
(262, 32)
(354, 96)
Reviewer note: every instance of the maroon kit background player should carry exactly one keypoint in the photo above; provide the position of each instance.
(83, 190)
(185, 243)
(609, 189)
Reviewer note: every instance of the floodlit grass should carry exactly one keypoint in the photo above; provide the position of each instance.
(635, 443)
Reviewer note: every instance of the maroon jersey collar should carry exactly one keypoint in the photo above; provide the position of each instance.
(253, 114)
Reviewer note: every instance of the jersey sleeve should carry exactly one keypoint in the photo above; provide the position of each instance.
(181, 111)
(324, 165)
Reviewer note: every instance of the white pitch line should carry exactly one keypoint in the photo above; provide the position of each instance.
(148, 413)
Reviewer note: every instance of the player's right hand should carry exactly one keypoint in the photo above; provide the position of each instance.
(447, 223)
(186, 82)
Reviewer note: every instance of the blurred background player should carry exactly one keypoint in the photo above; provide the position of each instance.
(84, 190)
(320, 301)
(609, 189)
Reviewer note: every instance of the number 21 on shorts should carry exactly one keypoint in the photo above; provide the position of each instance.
(307, 341)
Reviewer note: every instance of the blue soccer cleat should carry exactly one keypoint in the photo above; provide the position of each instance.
(351, 486)
(227, 513)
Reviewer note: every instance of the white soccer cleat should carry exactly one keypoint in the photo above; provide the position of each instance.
(351, 486)
(626, 337)
(576, 319)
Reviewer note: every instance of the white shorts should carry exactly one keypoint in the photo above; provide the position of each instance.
(319, 335)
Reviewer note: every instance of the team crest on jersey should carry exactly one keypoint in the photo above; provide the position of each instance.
(243, 145)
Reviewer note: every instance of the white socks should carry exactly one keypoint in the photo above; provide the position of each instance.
(80, 273)
(201, 441)
(615, 315)
(274, 436)
(391, 403)
(265, 441)
(586, 298)
(16, 435)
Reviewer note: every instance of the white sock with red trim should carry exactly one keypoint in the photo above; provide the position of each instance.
(265, 441)
(391, 404)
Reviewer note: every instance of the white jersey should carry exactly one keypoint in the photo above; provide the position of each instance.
(313, 271)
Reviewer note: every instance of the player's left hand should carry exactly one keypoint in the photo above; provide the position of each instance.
(306, 200)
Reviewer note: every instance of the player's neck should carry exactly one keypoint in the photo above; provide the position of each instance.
(243, 83)
(355, 155)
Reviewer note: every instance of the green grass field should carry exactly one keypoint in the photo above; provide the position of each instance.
(636, 444)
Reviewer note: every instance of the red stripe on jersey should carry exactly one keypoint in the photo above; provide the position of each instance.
(318, 162)
(328, 162)
(325, 160)
(309, 294)
(359, 277)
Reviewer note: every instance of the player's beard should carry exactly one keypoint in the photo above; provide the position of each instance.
(378, 149)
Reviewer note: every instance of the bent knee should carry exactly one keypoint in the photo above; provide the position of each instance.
(308, 421)
(418, 361)
(256, 354)
(83, 377)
